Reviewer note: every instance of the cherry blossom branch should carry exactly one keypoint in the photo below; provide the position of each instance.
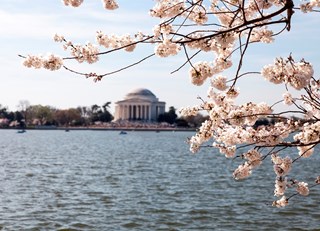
(99, 77)
(186, 62)
(242, 52)
(131, 65)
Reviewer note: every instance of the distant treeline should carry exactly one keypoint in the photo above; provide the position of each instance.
(39, 115)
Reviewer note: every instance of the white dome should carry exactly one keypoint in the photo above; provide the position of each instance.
(141, 93)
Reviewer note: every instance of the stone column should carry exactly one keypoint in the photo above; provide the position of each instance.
(126, 112)
(149, 112)
(116, 112)
(144, 112)
(121, 111)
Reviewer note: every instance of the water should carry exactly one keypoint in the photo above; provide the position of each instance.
(100, 180)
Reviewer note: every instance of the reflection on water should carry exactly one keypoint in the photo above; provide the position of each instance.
(99, 180)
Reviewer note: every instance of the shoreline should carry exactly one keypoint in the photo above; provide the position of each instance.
(160, 129)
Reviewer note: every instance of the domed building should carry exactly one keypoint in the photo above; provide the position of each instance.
(140, 104)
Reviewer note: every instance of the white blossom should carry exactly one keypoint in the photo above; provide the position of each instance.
(200, 72)
(220, 82)
(198, 14)
(309, 6)
(110, 4)
(253, 157)
(165, 29)
(194, 42)
(280, 186)
(281, 165)
(167, 8)
(242, 172)
(33, 61)
(310, 133)
(261, 35)
(52, 62)
(58, 38)
(305, 151)
(116, 41)
(228, 151)
(302, 188)
(166, 48)
(74, 3)
(281, 202)
(297, 74)
(287, 98)
(88, 52)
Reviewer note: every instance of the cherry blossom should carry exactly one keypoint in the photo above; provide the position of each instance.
(167, 8)
(110, 4)
(282, 202)
(50, 62)
(287, 98)
(166, 48)
(200, 72)
(280, 186)
(282, 166)
(219, 82)
(302, 188)
(297, 74)
(74, 3)
(242, 172)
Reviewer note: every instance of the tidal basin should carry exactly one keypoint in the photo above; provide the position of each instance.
(100, 180)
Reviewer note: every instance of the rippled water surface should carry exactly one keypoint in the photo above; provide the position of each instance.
(100, 180)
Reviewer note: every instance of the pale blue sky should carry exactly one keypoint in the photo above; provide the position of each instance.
(29, 26)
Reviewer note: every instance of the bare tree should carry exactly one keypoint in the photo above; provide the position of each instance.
(23, 107)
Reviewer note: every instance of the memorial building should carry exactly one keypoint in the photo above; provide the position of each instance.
(140, 104)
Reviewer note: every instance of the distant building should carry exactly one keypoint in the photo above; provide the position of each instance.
(140, 104)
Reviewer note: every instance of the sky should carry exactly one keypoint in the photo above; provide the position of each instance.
(28, 27)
